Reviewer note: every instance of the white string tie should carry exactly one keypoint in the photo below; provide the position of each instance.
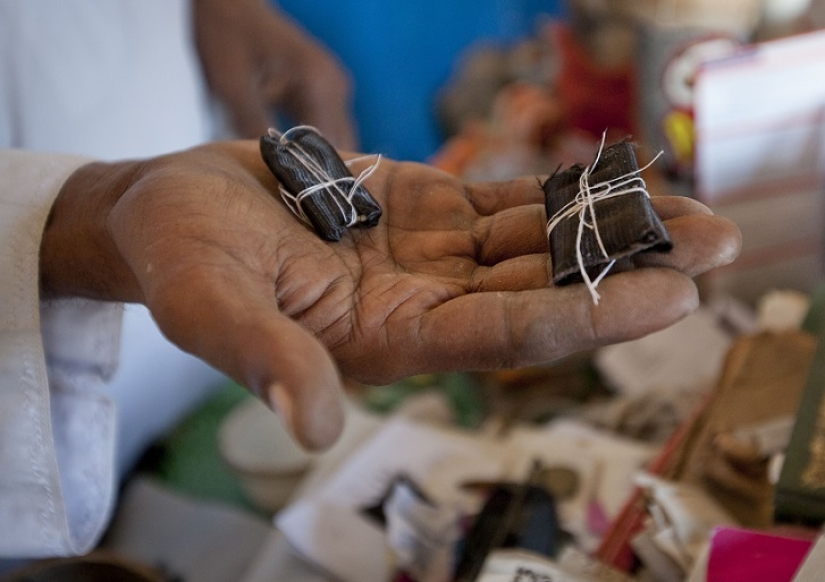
(583, 206)
(345, 186)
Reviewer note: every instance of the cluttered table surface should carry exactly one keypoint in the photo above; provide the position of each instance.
(614, 454)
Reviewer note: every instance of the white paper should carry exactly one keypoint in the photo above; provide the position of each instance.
(521, 566)
(605, 464)
(781, 310)
(422, 536)
(814, 565)
(760, 117)
(329, 527)
(686, 355)
(768, 438)
(578, 562)
(684, 516)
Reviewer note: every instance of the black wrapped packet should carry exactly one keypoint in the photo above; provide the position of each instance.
(625, 222)
(515, 515)
(319, 187)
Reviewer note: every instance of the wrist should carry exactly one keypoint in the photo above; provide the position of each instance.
(78, 256)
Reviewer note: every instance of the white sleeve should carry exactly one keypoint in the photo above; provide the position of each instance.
(56, 430)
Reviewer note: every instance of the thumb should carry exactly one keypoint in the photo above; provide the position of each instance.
(293, 373)
(272, 355)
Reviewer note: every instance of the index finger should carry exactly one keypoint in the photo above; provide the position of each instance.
(524, 328)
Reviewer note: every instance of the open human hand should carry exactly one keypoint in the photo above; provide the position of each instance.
(454, 277)
(257, 61)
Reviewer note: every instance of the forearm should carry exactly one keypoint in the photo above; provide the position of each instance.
(257, 60)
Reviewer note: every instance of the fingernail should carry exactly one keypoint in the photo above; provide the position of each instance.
(281, 402)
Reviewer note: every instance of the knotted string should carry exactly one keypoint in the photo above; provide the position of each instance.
(583, 206)
(346, 186)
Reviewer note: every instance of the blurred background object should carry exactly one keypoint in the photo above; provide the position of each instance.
(400, 53)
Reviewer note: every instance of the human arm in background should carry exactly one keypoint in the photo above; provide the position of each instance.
(256, 59)
(455, 276)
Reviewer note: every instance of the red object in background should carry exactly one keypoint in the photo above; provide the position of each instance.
(615, 547)
(595, 98)
(528, 114)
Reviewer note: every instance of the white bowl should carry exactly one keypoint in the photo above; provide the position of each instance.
(269, 463)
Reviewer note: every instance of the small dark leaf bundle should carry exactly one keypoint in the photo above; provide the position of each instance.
(627, 224)
(305, 161)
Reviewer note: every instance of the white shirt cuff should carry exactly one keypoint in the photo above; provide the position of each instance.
(56, 431)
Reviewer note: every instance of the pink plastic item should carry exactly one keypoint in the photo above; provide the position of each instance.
(740, 554)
